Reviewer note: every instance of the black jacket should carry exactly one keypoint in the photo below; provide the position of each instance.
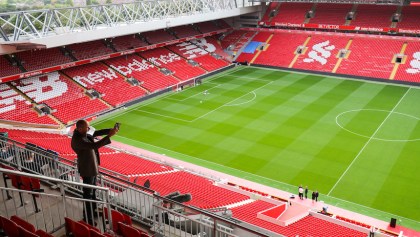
(87, 151)
(91, 138)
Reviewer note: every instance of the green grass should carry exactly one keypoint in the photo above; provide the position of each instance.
(357, 142)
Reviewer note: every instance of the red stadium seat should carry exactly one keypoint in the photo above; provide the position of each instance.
(65, 94)
(69, 224)
(18, 110)
(96, 233)
(292, 13)
(80, 230)
(184, 31)
(116, 217)
(89, 226)
(89, 49)
(128, 231)
(158, 36)
(39, 59)
(42, 233)
(127, 219)
(7, 69)
(127, 42)
(207, 26)
(163, 58)
(22, 223)
(25, 233)
(199, 187)
(109, 83)
(142, 70)
(10, 228)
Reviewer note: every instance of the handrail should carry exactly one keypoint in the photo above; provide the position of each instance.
(69, 204)
(51, 157)
(8, 171)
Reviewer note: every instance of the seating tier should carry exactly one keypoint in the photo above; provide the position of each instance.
(158, 36)
(89, 49)
(208, 26)
(321, 53)
(61, 94)
(188, 50)
(410, 70)
(7, 69)
(232, 38)
(127, 42)
(308, 226)
(410, 18)
(108, 82)
(262, 36)
(293, 13)
(14, 107)
(131, 165)
(211, 45)
(271, 6)
(143, 71)
(205, 194)
(162, 57)
(39, 59)
(279, 53)
(245, 57)
(243, 40)
(210, 63)
(369, 57)
(333, 14)
(370, 16)
(222, 24)
(184, 31)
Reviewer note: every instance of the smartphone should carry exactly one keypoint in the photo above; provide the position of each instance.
(117, 126)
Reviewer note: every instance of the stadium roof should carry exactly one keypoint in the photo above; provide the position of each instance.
(57, 27)
(381, 2)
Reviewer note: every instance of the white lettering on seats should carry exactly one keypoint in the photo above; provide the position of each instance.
(190, 50)
(134, 65)
(165, 59)
(324, 49)
(8, 96)
(415, 64)
(171, 57)
(205, 45)
(154, 61)
(96, 77)
(43, 87)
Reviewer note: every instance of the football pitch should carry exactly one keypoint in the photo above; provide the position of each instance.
(356, 142)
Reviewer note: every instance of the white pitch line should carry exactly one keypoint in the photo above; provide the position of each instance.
(250, 78)
(199, 93)
(370, 139)
(228, 103)
(246, 102)
(165, 116)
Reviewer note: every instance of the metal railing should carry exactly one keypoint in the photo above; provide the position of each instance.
(46, 210)
(162, 215)
(36, 24)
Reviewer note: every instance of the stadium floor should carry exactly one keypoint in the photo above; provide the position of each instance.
(356, 142)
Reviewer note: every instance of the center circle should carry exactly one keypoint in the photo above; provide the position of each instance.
(365, 123)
